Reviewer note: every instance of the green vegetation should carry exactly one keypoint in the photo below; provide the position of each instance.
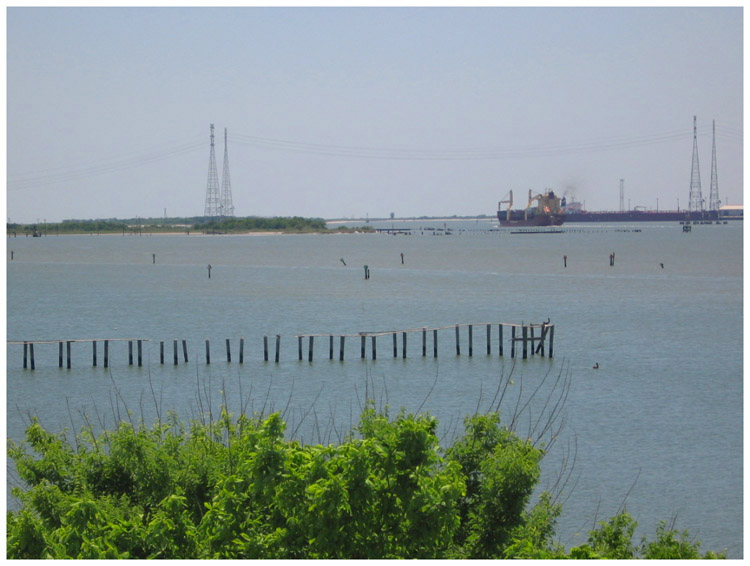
(237, 225)
(236, 488)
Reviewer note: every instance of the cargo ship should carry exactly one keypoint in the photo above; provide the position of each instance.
(574, 213)
(547, 212)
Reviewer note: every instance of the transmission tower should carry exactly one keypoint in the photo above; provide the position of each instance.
(714, 202)
(213, 201)
(696, 200)
(226, 184)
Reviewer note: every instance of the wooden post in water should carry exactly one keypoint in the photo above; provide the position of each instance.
(471, 340)
(161, 351)
(531, 328)
(174, 350)
(60, 356)
(184, 351)
(265, 348)
(524, 331)
(242, 349)
(299, 346)
(395, 347)
(424, 342)
(363, 340)
(403, 345)
(130, 352)
(93, 344)
(489, 331)
(458, 345)
(31, 354)
(330, 347)
(374, 348)
(341, 349)
(278, 344)
(229, 352)
(140, 357)
(434, 343)
(500, 339)
(310, 349)
(67, 344)
(25, 353)
(208, 352)
(551, 339)
(106, 354)
(512, 341)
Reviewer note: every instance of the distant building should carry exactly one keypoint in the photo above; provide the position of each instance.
(732, 211)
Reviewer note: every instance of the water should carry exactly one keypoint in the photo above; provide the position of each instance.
(658, 426)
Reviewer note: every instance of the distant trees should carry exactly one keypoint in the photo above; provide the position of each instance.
(236, 488)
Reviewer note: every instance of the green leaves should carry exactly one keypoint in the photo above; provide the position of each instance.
(236, 488)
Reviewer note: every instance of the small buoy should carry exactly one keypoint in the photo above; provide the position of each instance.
(596, 365)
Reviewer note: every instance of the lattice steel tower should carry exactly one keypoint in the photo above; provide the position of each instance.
(227, 208)
(213, 199)
(714, 202)
(696, 200)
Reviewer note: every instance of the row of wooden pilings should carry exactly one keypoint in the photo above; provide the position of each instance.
(522, 334)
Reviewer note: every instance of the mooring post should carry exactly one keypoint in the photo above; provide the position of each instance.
(174, 350)
(330, 347)
(31, 354)
(310, 348)
(489, 331)
(471, 340)
(265, 348)
(25, 353)
(161, 351)
(60, 356)
(363, 340)
(424, 342)
(500, 339)
(551, 339)
(93, 344)
(130, 352)
(208, 352)
(513, 341)
(184, 351)
(434, 343)
(67, 344)
(229, 351)
(242, 349)
(278, 343)
(395, 352)
(106, 354)
(458, 345)
(374, 348)
(299, 346)
(531, 328)
(403, 345)
(140, 359)
(524, 331)
(341, 349)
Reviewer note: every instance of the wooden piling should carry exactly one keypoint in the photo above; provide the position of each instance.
(278, 344)
(67, 344)
(140, 354)
(458, 344)
(374, 348)
(174, 350)
(208, 352)
(31, 355)
(395, 347)
(229, 352)
(551, 339)
(341, 348)
(25, 354)
(106, 354)
(434, 343)
(330, 347)
(424, 342)
(524, 332)
(310, 349)
(60, 356)
(489, 332)
(403, 345)
(242, 349)
(130, 352)
(184, 351)
(512, 341)
(363, 341)
(471, 340)
(500, 339)
(299, 346)
(161, 351)
(93, 347)
(265, 348)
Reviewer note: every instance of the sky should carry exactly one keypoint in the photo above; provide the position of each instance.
(351, 112)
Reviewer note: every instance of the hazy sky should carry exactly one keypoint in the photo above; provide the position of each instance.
(342, 112)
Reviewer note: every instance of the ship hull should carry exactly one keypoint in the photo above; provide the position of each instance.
(532, 219)
(641, 216)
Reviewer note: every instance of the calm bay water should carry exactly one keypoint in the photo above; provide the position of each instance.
(658, 426)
